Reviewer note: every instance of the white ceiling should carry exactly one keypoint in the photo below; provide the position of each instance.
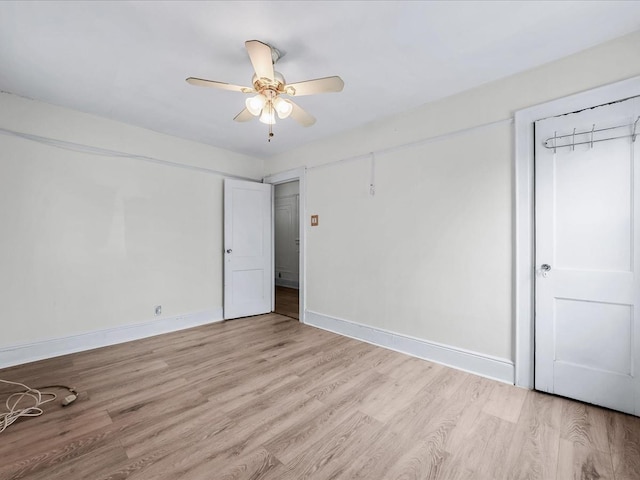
(128, 60)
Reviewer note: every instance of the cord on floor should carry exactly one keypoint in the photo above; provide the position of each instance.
(28, 402)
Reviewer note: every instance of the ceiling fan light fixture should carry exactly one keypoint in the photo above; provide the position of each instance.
(267, 87)
(255, 104)
(283, 107)
(268, 116)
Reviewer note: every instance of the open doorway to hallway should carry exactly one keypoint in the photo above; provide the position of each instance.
(287, 248)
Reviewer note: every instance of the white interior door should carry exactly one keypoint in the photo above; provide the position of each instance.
(287, 238)
(588, 234)
(247, 248)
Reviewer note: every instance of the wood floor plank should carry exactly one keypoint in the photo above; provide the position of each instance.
(506, 402)
(623, 432)
(336, 385)
(256, 464)
(329, 381)
(156, 407)
(287, 302)
(580, 462)
(142, 437)
(533, 453)
(395, 365)
(111, 375)
(90, 465)
(325, 452)
(585, 425)
(127, 469)
(329, 360)
(477, 454)
(423, 462)
(46, 435)
(534, 450)
(439, 429)
(384, 449)
(434, 403)
(240, 391)
(216, 442)
(32, 461)
(446, 382)
(290, 443)
(473, 394)
(397, 394)
(542, 409)
(267, 398)
(293, 413)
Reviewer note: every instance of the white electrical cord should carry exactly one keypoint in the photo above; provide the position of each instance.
(32, 400)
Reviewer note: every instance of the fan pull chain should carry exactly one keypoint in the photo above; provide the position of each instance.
(270, 105)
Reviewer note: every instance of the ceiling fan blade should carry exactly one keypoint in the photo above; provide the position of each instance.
(318, 85)
(260, 55)
(201, 82)
(243, 116)
(301, 116)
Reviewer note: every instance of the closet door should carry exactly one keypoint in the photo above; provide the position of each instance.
(587, 257)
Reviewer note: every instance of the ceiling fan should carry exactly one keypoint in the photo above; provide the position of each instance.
(270, 86)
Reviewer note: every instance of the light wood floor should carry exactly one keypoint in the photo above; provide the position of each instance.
(268, 398)
(287, 302)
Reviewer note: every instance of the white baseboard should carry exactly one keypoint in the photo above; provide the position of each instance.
(30, 352)
(488, 366)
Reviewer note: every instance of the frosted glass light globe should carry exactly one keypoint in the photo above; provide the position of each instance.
(255, 104)
(268, 116)
(283, 107)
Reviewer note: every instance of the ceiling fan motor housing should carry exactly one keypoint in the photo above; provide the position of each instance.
(262, 85)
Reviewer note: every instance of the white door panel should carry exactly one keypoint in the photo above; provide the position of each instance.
(247, 244)
(593, 207)
(588, 231)
(287, 248)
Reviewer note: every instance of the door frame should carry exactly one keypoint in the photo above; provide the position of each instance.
(298, 174)
(524, 218)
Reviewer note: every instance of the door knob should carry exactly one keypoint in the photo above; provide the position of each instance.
(545, 267)
(229, 250)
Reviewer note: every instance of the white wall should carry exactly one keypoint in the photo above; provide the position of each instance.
(91, 242)
(430, 255)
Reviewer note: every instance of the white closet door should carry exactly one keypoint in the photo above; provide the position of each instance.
(248, 248)
(587, 234)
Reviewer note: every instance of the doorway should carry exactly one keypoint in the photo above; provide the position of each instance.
(286, 213)
(297, 176)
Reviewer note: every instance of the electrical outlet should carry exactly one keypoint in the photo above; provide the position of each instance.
(158, 310)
